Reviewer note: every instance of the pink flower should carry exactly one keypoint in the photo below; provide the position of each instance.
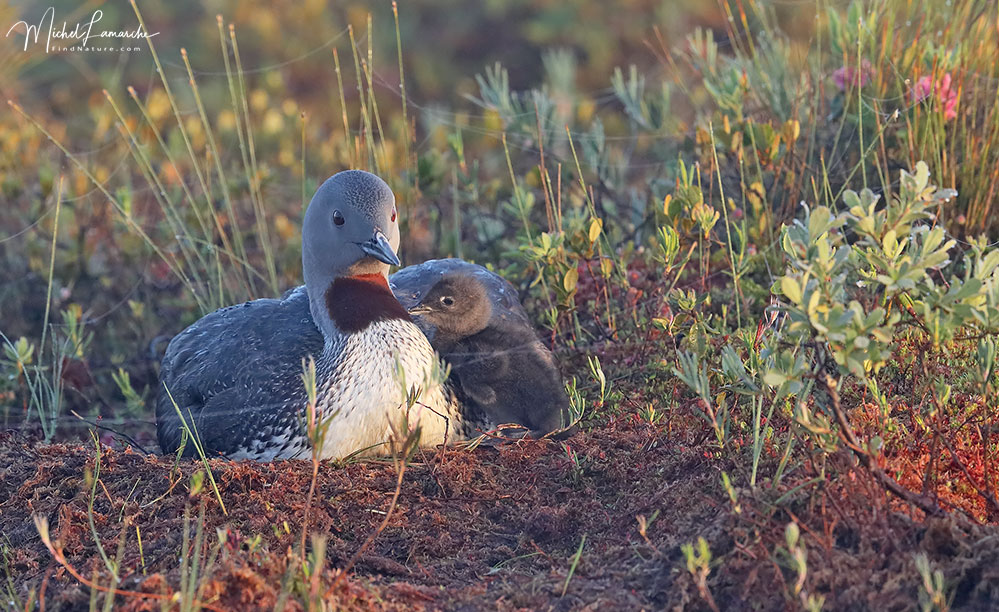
(946, 94)
(851, 76)
(922, 90)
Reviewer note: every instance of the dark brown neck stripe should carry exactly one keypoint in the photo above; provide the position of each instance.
(355, 302)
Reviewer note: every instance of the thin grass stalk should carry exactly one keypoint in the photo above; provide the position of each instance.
(183, 132)
(343, 109)
(369, 67)
(407, 135)
(522, 209)
(305, 195)
(261, 218)
(758, 434)
(849, 177)
(591, 208)
(193, 582)
(185, 551)
(591, 205)
(119, 554)
(400, 467)
(243, 263)
(728, 227)
(572, 568)
(248, 171)
(884, 175)
(95, 577)
(733, 35)
(817, 101)
(170, 212)
(837, 138)
(90, 506)
(34, 384)
(178, 228)
(215, 301)
(545, 184)
(319, 545)
(223, 182)
(52, 252)
(142, 556)
(365, 118)
(558, 195)
(456, 212)
(860, 106)
(196, 440)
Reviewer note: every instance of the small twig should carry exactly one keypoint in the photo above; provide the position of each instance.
(371, 537)
(986, 494)
(173, 485)
(540, 551)
(495, 434)
(846, 433)
(131, 441)
(308, 500)
(989, 498)
(317, 436)
(43, 531)
(41, 593)
(981, 336)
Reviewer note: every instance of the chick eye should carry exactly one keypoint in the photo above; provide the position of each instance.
(447, 300)
(338, 218)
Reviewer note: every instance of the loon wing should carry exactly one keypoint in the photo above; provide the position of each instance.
(230, 368)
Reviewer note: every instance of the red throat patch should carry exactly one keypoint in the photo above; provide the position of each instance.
(355, 302)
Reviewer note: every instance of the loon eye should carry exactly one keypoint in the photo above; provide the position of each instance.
(338, 218)
(447, 300)
(393, 215)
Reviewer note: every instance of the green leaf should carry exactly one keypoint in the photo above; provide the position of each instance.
(606, 267)
(774, 378)
(819, 221)
(570, 279)
(851, 199)
(791, 289)
(890, 244)
(595, 226)
(922, 175)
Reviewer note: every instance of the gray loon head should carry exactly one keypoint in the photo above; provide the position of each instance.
(350, 230)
